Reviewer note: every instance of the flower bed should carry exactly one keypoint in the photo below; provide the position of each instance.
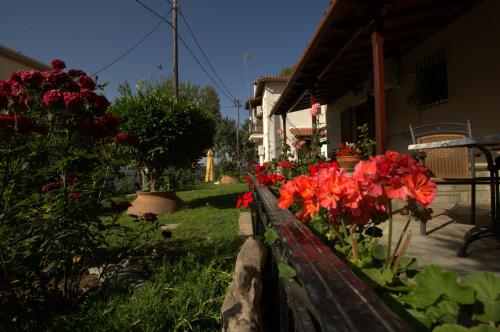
(345, 211)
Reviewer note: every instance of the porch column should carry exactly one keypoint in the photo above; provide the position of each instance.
(284, 149)
(314, 140)
(378, 80)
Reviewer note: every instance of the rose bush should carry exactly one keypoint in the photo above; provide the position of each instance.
(56, 163)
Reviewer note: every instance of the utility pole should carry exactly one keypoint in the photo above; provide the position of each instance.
(237, 102)
(176, 53)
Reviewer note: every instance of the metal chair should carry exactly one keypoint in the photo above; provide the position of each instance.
(449, 165)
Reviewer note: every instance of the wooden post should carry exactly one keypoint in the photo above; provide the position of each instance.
(314, 140)
(378, 79)
(284, 144)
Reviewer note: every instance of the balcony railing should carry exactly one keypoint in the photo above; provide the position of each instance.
(256, 128)
(325, 295)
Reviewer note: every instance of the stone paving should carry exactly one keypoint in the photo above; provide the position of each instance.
(445, 232)
(245, 224)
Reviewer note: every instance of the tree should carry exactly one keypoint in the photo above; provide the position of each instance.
(172, 131)
(205, 97)
(287, 71)
(225, 139)
(247, 147)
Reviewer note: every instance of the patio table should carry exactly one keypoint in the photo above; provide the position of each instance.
(483, 144)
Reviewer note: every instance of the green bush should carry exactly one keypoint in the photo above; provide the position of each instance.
(226, 167)
(176, 178)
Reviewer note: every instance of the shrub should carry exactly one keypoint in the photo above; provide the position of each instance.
(56, 162)
(175, 178)
(172, 131)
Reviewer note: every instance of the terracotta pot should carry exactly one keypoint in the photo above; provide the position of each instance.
(158, 202)
(230, 179)
(348, 161)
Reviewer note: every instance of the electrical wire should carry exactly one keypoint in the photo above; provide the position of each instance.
(132, 48)
(204, 54)
(189, 50)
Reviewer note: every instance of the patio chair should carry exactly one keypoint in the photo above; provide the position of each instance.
(449, 166)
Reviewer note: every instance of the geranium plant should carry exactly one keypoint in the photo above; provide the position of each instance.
(172, 131)
(347, 149)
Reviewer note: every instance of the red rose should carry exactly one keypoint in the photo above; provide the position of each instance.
(53, 98)
(5, 86)
(31, 79)
(76, 72)
(100, 104)
(150, 216)
(112, 121)
(86, 82)
(131, 139)
(58, 64)
(73, 100)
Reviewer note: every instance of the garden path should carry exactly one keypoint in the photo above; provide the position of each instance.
(445, 236)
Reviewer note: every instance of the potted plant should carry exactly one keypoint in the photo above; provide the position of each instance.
(348, 155)
(228, 171)
(171, 131)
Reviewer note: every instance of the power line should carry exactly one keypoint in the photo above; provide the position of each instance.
(203, 53)
(130, 49)
(188, 49)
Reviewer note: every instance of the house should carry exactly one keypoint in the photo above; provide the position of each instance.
(401, 62)
(267, 132)
(11, 60)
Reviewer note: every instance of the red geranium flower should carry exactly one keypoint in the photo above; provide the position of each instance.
(53, 98)
(244, 200)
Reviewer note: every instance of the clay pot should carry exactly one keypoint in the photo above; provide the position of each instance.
(348, 161)
(157, 202)
(230, 179)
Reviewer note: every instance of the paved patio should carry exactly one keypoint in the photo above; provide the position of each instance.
(445, 231)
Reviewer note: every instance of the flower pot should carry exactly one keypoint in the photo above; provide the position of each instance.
(230, 179)
(157, 202)
(348, 161)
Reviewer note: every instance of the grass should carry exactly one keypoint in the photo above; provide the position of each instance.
(190, 272)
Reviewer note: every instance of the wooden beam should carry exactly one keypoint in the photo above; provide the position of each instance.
(378, 79)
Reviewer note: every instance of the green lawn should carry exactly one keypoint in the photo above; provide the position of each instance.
(190, 272)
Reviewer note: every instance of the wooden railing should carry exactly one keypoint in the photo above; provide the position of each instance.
(325, 295)
(256, 128)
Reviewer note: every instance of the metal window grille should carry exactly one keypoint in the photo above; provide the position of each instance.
(431, 85)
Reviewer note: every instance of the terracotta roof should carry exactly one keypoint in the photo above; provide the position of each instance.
(22, 59)
(301, 132)
(339, 56)
(261, 81)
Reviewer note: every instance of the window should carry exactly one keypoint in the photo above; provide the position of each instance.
(431, 85)
(352, 118)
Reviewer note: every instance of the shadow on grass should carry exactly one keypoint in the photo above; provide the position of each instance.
(226, 201)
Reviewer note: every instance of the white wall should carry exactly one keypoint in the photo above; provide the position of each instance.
(271, 139)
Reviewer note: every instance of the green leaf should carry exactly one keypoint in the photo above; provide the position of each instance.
(432, 283)
(379, 251)
(270, 236)
(487, 287)
(407, 263)
(380, 276)
(286, 271)
(444, 311)
(459, 328)
(421, 317)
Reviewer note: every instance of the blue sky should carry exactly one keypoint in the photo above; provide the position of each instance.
(89, 34)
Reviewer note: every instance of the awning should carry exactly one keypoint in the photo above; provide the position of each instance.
(339, 57)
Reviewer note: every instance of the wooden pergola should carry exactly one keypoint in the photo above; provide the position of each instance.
(354, 38)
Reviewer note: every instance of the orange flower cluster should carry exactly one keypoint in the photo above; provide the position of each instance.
(358, 196)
